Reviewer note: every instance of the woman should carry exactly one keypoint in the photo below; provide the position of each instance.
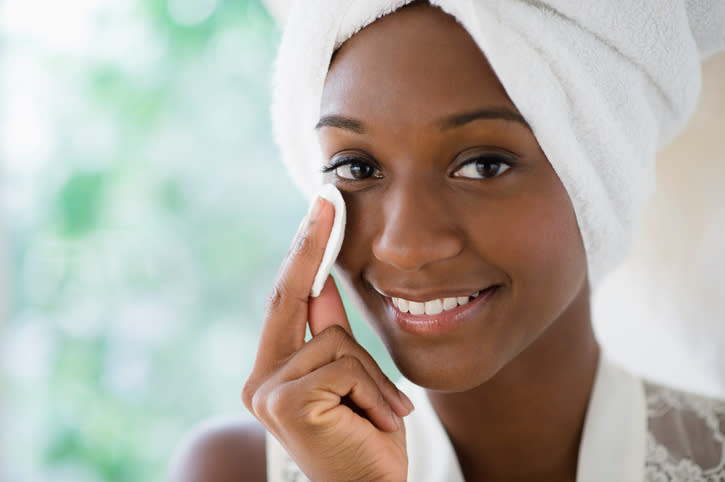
(492, 174)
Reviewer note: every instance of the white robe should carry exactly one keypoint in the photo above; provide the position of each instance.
(634, 431)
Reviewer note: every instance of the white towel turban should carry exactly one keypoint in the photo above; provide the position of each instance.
(603, 84)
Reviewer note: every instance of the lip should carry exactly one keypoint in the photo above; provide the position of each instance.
(444, 322)
(426, 295)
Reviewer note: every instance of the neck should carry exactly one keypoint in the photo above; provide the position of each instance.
(526, 422)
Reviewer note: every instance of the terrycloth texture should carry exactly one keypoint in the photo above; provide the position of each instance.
(707, 21)
(602, 84)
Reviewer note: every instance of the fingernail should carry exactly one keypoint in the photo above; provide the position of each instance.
(406, 401)
(315, 208)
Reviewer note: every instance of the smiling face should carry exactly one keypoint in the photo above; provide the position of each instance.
(462, 249)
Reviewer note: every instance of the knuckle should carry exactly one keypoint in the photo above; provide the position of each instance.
(379, 400)
(247, 395)
(280, 295)
(302, 246)
(263, 401)
(379, 375)
(336, 335)
(312, 418)
(350, 364)
(277, 404)
(274, 298)
(249, 390)
(260, 405)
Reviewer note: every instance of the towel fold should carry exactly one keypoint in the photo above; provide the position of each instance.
(603, 84)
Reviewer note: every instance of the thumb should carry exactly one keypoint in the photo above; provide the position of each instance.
(327, 309)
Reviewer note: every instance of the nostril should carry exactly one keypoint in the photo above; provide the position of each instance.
(415, 226)
(409, 250)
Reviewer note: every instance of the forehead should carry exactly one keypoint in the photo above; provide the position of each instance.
(416, 63)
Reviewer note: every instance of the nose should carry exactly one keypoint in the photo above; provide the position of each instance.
(417, 228)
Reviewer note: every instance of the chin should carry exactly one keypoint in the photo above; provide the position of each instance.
(439, 369)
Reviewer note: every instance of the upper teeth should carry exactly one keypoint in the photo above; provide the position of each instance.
(432, 307)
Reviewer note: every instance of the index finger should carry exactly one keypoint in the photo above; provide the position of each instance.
(283, 331)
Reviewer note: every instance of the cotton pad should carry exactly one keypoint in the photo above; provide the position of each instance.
(334, 243)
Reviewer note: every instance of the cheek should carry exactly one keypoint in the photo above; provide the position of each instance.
(546, 251)
(355, 254)
(356, 246)
(533, 238)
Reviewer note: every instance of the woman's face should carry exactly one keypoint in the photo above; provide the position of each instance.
(449, 195)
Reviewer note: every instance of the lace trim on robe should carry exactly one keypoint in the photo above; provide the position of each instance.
(685, 436)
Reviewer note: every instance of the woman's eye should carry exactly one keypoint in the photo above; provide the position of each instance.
(355, 171)
(482, 168)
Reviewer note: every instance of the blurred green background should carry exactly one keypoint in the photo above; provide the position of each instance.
(145, 215)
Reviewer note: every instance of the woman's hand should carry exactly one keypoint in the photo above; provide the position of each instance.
(326, 400)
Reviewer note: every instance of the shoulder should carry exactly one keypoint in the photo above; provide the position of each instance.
(686, 431)
(221, 451)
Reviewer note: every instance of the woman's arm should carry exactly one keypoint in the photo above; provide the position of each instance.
(221, 452)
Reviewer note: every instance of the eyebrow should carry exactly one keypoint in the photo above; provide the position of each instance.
(341, 122)
(450, 122)
(502, 113)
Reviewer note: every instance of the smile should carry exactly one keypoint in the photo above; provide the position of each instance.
(439, 315)
(432, 307)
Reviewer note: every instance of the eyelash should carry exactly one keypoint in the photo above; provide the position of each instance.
(336, 164)
(489, 159)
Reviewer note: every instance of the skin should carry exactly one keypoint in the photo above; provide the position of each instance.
(431, 214)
